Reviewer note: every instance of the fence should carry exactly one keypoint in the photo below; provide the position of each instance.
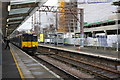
(102, 41)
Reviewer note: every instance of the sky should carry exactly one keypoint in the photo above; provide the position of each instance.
(51, 2)
(28, 23)
(98, 12)
(93, 13)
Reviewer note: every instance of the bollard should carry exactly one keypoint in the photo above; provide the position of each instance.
(78, 48)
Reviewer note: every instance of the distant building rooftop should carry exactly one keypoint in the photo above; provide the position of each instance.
(99, 22)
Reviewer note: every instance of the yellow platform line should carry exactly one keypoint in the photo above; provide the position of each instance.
(20, 72)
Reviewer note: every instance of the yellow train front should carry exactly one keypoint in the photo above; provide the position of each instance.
(26, 41)
(29, 42)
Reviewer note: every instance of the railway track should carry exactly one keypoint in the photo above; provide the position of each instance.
(88, 67)
(100, 61)
(64, 74)
(111, 64)
(90, 63)
(98, 66)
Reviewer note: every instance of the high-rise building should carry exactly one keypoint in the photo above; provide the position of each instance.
(62, 26)
(67, 21)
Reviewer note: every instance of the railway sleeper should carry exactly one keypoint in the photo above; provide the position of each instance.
(88, 64)
(98, 71)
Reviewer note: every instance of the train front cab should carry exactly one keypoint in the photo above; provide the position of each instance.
(30, 43)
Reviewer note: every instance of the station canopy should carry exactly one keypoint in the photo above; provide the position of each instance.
(19, 11)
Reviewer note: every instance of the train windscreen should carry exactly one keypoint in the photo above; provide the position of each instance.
(34, 38)
(29, 37)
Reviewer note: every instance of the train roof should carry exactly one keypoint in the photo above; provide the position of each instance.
(22, 34)
(29, 33)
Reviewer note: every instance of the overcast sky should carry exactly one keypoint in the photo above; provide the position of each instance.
(98, 12)
(28, 24)
(92, 12)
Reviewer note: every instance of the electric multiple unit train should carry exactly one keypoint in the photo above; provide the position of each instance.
(26, 41)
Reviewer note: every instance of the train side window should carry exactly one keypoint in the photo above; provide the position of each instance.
(24, 38)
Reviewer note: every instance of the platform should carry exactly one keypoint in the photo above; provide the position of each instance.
(0, 57)
(9, 69)
(93, 52)
(29, 67)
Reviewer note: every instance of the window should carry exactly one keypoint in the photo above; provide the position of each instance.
(29, 37)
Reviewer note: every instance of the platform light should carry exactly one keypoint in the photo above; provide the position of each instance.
(6, 25)
(9, 7)
(7, 20)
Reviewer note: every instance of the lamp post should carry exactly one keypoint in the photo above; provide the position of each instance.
(117, 49)
(82, 27)
(56, 36)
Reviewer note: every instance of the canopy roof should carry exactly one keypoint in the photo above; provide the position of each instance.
(20, 10)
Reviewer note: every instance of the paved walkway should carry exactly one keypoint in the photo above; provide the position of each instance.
(109, 53)
(9, 69)
(0, 72)
(0, 57)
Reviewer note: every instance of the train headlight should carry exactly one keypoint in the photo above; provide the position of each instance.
(33, 45)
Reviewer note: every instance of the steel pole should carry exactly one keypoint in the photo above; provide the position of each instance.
(117, 49)
(56, 37)
(82, 27)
